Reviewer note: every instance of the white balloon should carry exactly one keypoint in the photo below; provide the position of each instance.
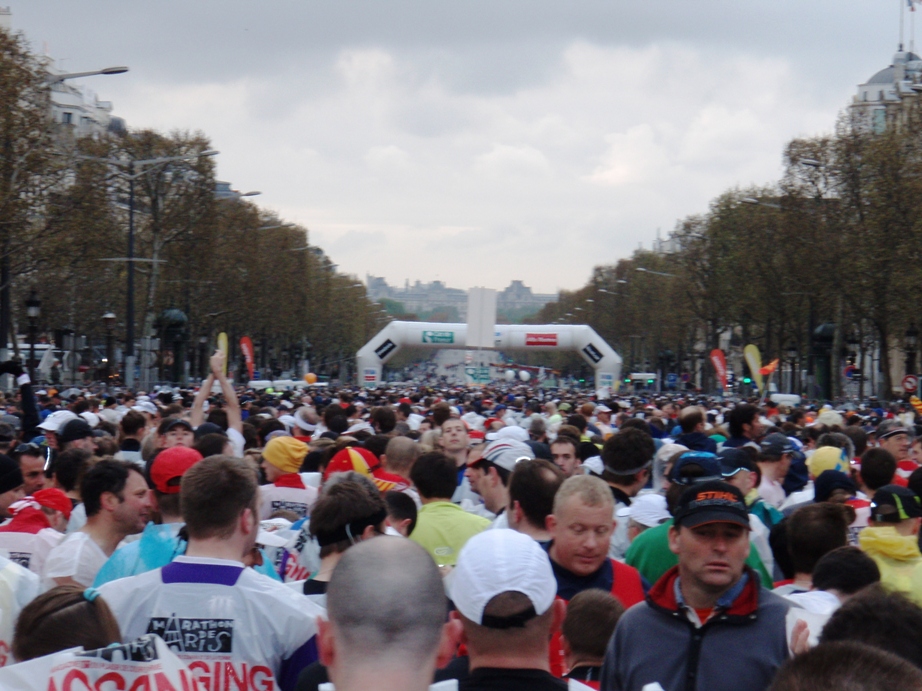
(510, 375)
(524, 375)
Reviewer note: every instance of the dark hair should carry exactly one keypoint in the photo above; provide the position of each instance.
(778, 541)
(859, 438)
(132, 423)
(217, 416)
(337, 423)
(401, 506)
(877, 617)
(878, 466)
(435, 475)
(211, 444)
(566, 439)
(105, 476)
(689, 418)
(405, 409)
(591, 619)
(635, 423)
(846, 666)
(63, 618)
(814, 530)
(383, 419)
(741, 415)
(577, 421)
(568, 432)
(344, 503)
(376, 443)
(267, 427)
(441, 411)
(533, 484)
(213, 494)
(846, 569)
(628, 449)
(70, 466)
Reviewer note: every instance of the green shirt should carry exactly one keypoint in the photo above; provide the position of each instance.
(442, 528)
(649, 553)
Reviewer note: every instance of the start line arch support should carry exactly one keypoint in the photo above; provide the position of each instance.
(579, 338)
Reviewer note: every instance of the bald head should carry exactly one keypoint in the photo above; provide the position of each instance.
(386, 604)
(400, 455)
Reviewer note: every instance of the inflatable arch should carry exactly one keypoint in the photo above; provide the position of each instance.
(573, 337)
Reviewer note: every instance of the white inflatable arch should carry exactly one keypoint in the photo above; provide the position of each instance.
(578, 338)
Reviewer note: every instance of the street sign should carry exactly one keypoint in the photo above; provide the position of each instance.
(672, 379)
(438, 337)
(910, 382)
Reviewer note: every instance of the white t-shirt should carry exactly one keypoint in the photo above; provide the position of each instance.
(77, 557)
(276, 498)
(30, 549)
(18, 586)
(772, 492)
(220, 618)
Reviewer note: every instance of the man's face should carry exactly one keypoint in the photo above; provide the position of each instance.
(8, 498)
(33, 472)
(753, 430)
(744, 480)
(898, 445)
(603, 417)
(51, 439)
(581, 535)
(475, 476)
(916, 451)
(133, 512)
(454, 436)
(711, 556)
(784, 464)
(564, 456)
(180, 435)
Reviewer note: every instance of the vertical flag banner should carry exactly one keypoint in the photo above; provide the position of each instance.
(719, 360)
(754, 360)
(222, 346)
(246, 347)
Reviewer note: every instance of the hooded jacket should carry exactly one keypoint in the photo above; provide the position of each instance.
(740, 646)
(898, 558)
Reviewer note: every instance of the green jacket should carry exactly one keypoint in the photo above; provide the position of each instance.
(649, 553)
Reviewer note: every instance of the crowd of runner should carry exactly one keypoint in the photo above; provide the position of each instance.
(410, 537)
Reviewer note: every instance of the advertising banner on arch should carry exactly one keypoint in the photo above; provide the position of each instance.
(246, 347)
(754, 360)
(719, 360)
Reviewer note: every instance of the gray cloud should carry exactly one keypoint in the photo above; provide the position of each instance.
(479, 141)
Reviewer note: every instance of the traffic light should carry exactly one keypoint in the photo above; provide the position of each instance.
(747, 380)
(651, 381)
(627, 380)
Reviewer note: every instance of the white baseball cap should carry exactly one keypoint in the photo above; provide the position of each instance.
(57, 420)
(145, 407)
(506, 454)
(500, 561)
(647, 509)
(510, 432)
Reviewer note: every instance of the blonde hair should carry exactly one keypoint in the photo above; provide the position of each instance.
(591, 490)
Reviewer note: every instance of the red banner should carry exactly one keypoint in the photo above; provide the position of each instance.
(246, 347)
(719, 360)
(769, 368)
(541, 339)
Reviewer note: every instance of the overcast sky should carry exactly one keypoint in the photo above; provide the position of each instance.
(478, 141)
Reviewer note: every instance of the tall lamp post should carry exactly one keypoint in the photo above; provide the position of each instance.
(791, 353)
(33, 312)
(109, 319)
(135, 168)
(911, 341)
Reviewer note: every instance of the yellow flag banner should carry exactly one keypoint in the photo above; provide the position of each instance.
(222, 346)
(754, 360)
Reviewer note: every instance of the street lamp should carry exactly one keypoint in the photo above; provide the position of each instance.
(57, 78)
(135, 168)
(33, 312)
(911, 341)
(109, 320)
(651, 271)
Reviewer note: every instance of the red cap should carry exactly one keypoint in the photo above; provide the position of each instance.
(171, 464)
(54, 499)
(352, 458)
